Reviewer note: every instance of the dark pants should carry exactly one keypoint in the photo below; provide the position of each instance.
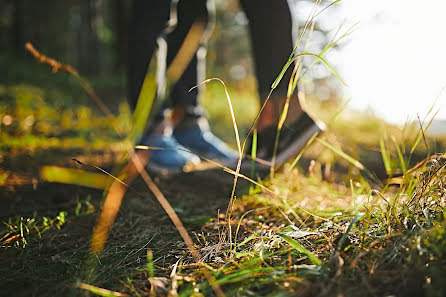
(270, 27)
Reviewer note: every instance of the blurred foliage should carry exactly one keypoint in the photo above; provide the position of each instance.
(88, 34)
(92, 36)
(33, 118)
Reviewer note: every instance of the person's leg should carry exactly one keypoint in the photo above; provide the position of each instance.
(148, 20)
(191, 127)
(189, 13)
(270, 26)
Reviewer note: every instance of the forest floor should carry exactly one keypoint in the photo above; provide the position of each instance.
(368, 225)
(47, 229)
(48, 263)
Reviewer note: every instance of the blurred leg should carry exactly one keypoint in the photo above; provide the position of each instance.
(192, 130)
(270, 25)
(188, 12)
(148, 20)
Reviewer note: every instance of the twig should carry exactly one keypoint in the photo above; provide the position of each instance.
(56, 66)
(422, 132)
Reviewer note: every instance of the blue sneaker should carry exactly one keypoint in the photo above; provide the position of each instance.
(171, 159)
(193, 132)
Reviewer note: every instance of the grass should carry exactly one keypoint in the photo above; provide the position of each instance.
(314, 232)
(380, 239)
(18, 229)
(362, 214)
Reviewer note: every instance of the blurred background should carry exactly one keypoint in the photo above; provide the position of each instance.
(392, 64)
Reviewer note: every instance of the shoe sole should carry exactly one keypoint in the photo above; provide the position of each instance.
(190, 166)
(162, 170)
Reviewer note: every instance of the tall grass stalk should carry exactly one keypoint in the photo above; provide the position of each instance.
(240, 149)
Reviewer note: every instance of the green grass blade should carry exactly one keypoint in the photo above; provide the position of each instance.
(354, 162)
(334, 42)
(328, 66)
(416, 143)
(295, 79)
(143, 107)
(303, 150)
(349, 228)
(150, 267)
(310, 18)
(238, 228)
(298, 247)
(253, 158)
(75, 177)
(282, 73)
(244, 274)
(385, 156)
(209, 267)
(400, 157)
(326, 7)
(353, 193)
(248, 239)
(284, 69)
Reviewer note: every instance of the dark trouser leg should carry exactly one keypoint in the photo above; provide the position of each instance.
(148, 22)
(188, 12)
(270, 26)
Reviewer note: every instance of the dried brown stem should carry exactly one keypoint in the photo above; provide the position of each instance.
(56, 66)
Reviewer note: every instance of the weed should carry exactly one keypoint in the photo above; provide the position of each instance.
(17, 230)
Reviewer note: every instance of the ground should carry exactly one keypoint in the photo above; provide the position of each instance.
(52, 258)
(142, 223)
(362, 214)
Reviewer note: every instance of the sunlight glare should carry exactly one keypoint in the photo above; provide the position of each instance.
(395, 62)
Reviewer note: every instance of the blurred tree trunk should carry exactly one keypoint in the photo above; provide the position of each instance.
(120, 27)
(22, 21)
(88, 41)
